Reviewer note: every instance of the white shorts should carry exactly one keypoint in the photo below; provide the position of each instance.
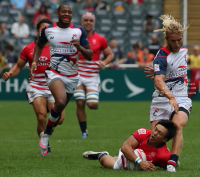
(92, 83)
(69, 82)
(118, 163)
(160, 107)
(33, 93)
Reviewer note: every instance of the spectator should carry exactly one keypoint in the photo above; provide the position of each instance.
(18, 4)
(149, 24)
(101, 5)
(146, 58)
(155, 45)
(3, 62)
(119, 5)
(20, 29)
(3, 31)
(10, 55)
(33, 4)
(89, 5)
(41, 14)
(194, 61)
(116, 51)
(140, 45)
(132, 58)
(137, 50)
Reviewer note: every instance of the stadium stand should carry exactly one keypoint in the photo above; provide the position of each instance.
(125, 26)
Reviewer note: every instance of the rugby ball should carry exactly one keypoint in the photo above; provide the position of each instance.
(133, 166)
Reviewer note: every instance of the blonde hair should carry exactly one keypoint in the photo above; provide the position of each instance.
(170, 25)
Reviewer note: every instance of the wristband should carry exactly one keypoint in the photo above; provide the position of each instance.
(34, 63)
(138, 160)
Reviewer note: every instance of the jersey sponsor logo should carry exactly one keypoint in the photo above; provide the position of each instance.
(51, 37)
(43, 58)
(74, 36)
(155, 112)
(94, 41)
(152, 155)
(141, 131)
(156, 67)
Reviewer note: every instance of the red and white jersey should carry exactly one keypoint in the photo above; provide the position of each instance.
(64, 56)
(39, 80)
(158, 155)
(91, 68)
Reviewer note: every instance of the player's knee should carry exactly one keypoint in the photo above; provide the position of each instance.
(60, 103)
(93, 105)
(41, 117)
(80, 103)
(92, 99)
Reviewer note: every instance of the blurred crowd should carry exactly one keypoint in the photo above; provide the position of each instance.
(139, 53)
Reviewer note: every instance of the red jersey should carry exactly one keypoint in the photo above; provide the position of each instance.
(91, 68)
(39, 80)
(158, 155)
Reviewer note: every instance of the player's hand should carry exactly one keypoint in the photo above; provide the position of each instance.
(147, 166)
(149, 70)
(102, 64)
(32, 70)
(174, 103)
(76, 43)
(7, 75)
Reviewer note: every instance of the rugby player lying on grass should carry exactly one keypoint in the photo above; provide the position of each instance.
(152, 142)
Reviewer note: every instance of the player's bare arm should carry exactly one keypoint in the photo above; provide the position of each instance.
(162, 87)
(15, 70)
(128, 150)
(109, 57)
(37, 52)
(85, 50)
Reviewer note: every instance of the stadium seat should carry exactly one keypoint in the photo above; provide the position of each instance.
(120, 14)
(103, 14)
(136, 28)
(30, 12)
(121, 21)
(75, 20)
(134, 40)
(137, 22)
(12, 40)
(33, 33)
(134, 34)
(136, 13)
(116, 34)
(4, 18)
(14, 11)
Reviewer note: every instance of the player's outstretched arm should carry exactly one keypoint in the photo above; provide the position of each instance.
(15, 70)
(109, 57)
(37, 52)
(162, 87)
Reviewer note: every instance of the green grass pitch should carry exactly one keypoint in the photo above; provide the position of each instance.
(109, 127)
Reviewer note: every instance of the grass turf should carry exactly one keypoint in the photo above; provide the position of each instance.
(108, 128)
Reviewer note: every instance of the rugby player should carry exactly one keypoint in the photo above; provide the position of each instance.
(152, 142)
(66, 41)
(38, 93)
(170, 99)
(87, 91)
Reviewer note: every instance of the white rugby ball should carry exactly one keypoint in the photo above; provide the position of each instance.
(133, 166)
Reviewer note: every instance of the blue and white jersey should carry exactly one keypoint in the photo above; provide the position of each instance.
(64, 56)
(174, 67)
